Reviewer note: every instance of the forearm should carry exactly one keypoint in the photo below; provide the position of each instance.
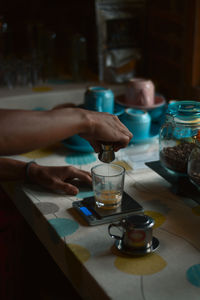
(11, 169)
(22, 131)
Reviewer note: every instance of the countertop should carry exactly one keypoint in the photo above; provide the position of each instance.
(87, 254)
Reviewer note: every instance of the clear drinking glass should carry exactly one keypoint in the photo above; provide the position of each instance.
(108, 185)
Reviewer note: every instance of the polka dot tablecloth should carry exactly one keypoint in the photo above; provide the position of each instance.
(87, 254)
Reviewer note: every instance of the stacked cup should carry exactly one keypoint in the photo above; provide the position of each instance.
(144, 109)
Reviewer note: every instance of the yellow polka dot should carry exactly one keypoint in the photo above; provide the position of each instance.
(82, 253)
(143, 265)
(196, 210)
(158, 217)
(42, 89)
(124, 164)
(39, 153)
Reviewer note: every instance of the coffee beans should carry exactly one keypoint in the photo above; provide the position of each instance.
(176, 158)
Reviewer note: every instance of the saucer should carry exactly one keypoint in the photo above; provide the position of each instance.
(126, 250)
(159, 101)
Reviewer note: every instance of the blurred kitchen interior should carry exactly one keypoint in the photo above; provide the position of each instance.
(102, 40)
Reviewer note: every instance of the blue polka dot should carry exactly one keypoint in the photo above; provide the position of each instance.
(193, 275)
(63, 226)
(80, 158)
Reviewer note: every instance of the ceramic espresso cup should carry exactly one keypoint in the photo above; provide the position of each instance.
(136, 231)
(100, 99)
(140, 92)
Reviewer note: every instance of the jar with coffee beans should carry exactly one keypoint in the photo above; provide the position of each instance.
(178, 135)
(193, 168)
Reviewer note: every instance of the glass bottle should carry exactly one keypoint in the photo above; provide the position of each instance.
(178, 135)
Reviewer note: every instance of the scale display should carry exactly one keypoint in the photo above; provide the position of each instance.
(94, 215)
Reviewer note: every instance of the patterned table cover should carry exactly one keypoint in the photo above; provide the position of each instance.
(86, 254)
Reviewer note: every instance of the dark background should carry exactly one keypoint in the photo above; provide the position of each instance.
(47, 29)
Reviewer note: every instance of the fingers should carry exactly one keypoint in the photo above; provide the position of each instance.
(80, 174)
(59, 178)
(123, 129)
(67, 188)
(96, 146)
(117, 145)
(68, 174)
(108, 128)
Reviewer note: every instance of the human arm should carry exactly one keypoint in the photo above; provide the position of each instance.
(24, 130)
(53, 178)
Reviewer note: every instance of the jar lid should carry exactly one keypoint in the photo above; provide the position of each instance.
(140, 221)
(185, 112)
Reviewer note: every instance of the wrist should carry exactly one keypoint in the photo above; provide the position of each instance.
(72, 120)
(88, 124)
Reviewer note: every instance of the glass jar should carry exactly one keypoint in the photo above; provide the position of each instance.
(178, 135)
(193, 169)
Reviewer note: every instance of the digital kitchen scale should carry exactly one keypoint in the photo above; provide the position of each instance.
(95, 216)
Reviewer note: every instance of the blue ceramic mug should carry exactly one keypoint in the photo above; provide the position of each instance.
(100, 99)
(138, 122)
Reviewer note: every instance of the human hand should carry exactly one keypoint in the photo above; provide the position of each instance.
(58, 178)
(106, 128)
